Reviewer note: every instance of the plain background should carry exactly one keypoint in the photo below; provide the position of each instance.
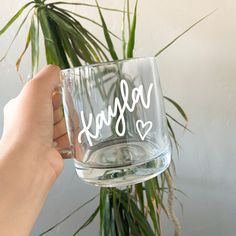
(198, 71)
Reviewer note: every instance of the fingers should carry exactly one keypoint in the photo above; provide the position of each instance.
(56, 99)
(62, 142)
(57, 106)
(59, 121)
(39, 90)
(62, 145)
(47, 83)
(60, 136)
(57, 115)
(59, 129)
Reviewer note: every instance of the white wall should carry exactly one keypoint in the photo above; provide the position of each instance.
(199, 72)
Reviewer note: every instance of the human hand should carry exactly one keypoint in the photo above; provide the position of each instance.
(29, 160)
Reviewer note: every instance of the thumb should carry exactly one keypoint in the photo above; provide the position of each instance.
(47, 80)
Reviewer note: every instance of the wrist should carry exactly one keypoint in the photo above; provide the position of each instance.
(27, 161)
(26, 186)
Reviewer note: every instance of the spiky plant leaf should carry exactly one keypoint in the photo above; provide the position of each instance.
(150, 196)
(51, 53)
(88, 221)
(107, 35)
(178, 107)
(139, 191)
(85, 5)
(137, 215)
(131, 42)
(17, 32)
(183, 33)
(18, 61)
(34, 38)
(68, 216)
(15, 17)
(123, 31)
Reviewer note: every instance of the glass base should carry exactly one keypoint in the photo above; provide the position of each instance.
(127, 174)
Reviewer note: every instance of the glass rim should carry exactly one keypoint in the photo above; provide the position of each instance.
(107, 63)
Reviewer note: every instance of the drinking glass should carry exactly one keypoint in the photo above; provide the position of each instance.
(116, 121)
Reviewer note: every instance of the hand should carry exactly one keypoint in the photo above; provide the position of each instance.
(29, 160)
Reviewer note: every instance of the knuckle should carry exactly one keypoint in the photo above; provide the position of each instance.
(8, 105)
(53, 67)
(33, 83)
(33, 86)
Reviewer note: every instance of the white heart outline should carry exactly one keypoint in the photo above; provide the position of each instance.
(143, 126)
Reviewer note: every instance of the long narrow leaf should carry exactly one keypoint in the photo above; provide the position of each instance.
(179, 36)
(107, 217)
(78, 41)
(81, 50)
(107, 35)
(89, 39)
(158, 196)
(54, 52)
(86, 5)
(112, 220)
(85, 18)
(76, 25)
(24, 51)
(100, 52)
(172, 133)
(123, 32)
(14, 18)
(68, 216)
(177, 122)
(61, 56)
(128, 17)
(137, 215)
(124, 220)
(139, 192)
(131, 42)
(16, 34)
(178, 107)
(133, 227)
(50, 49)
(150, 195)
(103, 194)
(69, 49)
(117, 216)
(34, 35)
(88, 221)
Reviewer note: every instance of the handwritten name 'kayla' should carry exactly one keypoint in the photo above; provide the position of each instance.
(137, 94)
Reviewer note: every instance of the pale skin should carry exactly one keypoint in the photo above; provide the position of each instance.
(30, 161)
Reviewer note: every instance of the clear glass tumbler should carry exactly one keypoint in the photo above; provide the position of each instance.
(116, 121)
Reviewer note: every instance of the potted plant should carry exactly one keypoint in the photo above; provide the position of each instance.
(136, 209)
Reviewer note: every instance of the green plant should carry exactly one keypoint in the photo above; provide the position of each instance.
(136, 209)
